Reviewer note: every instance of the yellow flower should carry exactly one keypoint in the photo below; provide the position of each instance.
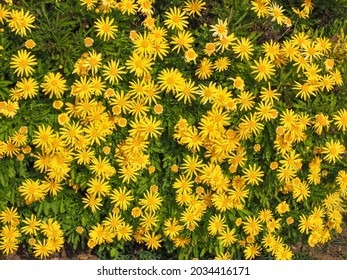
(238, 222)
(149, 22)
(341, 119)
(282, 207)
(306, 223)
(176, 18)
(144, 45)
(183, 39)
(43, 137)
(93, 202)
(238, 83)
(271, 50)
(223, 256)
(152, 241)
(31, 190)
(19, 139)
(216, 224)
(263, 69)
(238, 195)
(32, 225)
(136, 212)
(290, 50)
(223, 43)
(113, 222)
(124, 232)
(174, 168)
(253, 175)
(172, 228)
(189, 218)
(99, 234)
(276, 12)
(151, 201)
(51, 229)
(190, 55)
(268, 94)
(194, 7)
(305, 90)
(32, 241)
(220, 29)
(321, 121)
(94, 134)
(181, 242)
(274, 165)
(251, 251)
(245, 100)
(10, 216)
(54, 85)
(301, 191)
(284, 253)
(187, 92)
(79, 230)
(83, 88)
(89, 3)
(42, 249)
(71, 132)
(227, 237)
(88, 42)
(58, 104)
(170, 80)
(243, 48)
(98, 186)
(112, 72)
(205, 69)
(30, 44)
(148, 220)
(101, 167)
(333, 150)
(21, 22)
(260, 7)
(122, 198)
(289, 220)
(4, 14)
(252, 226)
(140, 65)
(265, 215)
(93, 62)
(27, 88)
(151, 127)
(104, 28)
(221, 64)
(273, 224)
(191, 165)
(128, 7)
(23, 62)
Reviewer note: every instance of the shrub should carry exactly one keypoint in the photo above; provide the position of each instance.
(199, 129)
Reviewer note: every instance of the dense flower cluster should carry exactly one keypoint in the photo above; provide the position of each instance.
(256, 158)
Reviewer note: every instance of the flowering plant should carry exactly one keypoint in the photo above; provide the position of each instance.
(179, 127)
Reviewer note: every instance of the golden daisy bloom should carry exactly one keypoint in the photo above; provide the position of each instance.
(22, 63)
(104, 28)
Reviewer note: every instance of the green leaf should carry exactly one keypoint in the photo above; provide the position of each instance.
(62, 206)
(203, 251)
(46, 208)
(39, 210)
(114, 252)
(84, 221)
(55, 207)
